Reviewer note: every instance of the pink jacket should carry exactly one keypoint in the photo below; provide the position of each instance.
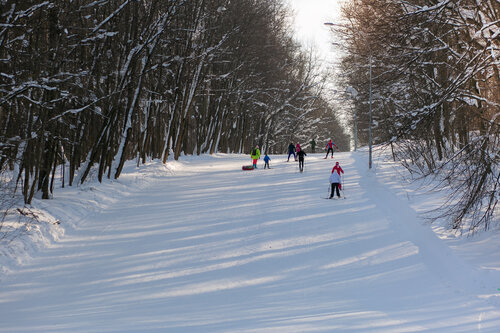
(338, 169)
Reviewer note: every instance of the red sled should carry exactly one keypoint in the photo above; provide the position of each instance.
(247, 167)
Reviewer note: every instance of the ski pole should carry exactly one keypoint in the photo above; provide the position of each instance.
(343, 194)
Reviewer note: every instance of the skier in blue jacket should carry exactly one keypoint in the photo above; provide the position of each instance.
(266, 161)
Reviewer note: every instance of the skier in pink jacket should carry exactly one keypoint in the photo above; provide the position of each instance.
(329, 147)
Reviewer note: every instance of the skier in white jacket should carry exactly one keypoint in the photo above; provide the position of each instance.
(335, 180)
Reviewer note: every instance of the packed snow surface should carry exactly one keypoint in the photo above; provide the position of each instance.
(199, 245)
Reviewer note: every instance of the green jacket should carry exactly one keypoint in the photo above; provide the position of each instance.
(257, 154)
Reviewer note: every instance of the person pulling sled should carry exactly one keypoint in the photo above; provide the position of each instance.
(255, 155)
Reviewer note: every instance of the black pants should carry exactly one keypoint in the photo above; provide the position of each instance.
(335, 186)
(301, 164)
(266, 164)
(329, 149)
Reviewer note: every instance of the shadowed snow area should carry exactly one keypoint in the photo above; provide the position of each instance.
(202, 246)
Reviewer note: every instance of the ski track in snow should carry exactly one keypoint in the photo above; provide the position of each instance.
(210, 248)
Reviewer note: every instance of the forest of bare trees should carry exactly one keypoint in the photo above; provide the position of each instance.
(436, 93)
(87, 85)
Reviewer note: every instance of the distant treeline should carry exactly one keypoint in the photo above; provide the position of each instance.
(91, 84)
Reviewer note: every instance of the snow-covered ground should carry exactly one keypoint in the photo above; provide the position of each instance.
(201, 246)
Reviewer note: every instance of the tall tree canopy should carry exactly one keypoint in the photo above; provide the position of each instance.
(89, 85)
(436, 88)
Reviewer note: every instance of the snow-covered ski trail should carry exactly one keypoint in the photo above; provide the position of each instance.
(212, 248)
